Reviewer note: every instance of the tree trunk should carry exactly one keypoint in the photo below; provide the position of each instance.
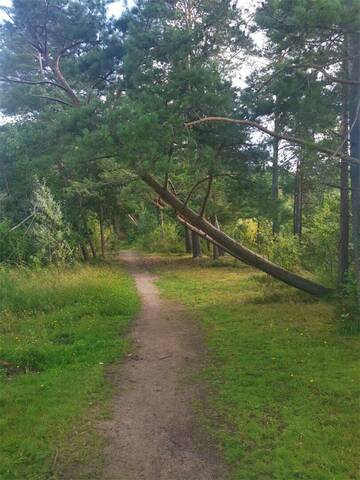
(196, 245)
(116, 227)
(235, 249)
(344, 185)
(217, 225)
(215, 252)
(101, 225)
(84, 252)
(89, 238)
(298, 200)
(188, 240)
(92, 246)
(275, 182)
(354, 122)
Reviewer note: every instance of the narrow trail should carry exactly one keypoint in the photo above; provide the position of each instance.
(153, 433)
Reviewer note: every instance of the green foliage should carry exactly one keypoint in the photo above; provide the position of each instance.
(49, 231)
(284, 249)
(162, 239)
(273, 409)
(321, 238)
(59, 328)
(15, 246)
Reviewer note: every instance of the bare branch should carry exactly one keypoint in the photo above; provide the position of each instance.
(288, 138)
(208, 191)
(31, 82)
(22, 222)
(53, 99)
(61, 79)
(197, 184)
(172, 186)
(333, 78)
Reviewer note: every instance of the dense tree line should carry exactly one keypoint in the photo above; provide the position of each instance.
(114, 119)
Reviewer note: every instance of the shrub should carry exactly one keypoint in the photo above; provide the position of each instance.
(163, 239)
(15, 246)
(257, 235)
(49, 229)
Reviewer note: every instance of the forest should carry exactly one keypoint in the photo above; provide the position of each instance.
(215, 145)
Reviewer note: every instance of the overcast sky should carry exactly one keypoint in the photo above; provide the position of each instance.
(118, 5)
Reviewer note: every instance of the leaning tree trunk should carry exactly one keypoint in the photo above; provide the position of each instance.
(354, 122)
(235, 249)
(196, 245)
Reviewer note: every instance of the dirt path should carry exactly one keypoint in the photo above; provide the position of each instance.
(153, 435)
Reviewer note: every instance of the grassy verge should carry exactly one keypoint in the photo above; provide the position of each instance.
(58, 331)
(284, 382)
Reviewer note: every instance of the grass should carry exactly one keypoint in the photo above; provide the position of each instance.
(283, 378)
(58, 331)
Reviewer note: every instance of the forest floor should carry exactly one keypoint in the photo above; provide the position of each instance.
(153, 433)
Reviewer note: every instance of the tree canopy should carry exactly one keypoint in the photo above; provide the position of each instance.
(120, 116)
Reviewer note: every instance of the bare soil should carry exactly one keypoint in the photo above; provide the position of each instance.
(153, 434)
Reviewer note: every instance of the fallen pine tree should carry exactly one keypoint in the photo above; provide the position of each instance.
(201, 226)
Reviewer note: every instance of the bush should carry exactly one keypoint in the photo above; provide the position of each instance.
(257, 235)
(162, 239)
(49, 230)
(321, 239)
(15, 246)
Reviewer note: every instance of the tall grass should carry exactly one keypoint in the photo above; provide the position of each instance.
(59, 328)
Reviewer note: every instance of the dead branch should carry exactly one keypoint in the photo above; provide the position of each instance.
(206, 199)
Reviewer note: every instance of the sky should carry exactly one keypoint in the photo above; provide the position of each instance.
(116, 7)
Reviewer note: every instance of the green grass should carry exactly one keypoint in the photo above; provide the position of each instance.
(283, 378)
(58, 331)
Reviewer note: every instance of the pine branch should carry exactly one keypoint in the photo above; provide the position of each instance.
(31, 82)
(288, 138)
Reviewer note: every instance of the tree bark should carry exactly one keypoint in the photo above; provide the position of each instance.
(92, 246)
(199, 232)
(188, 240)
(298, 200)
(101, 225)
(196, 245)
(235, 249)
(344, 184)
(217, 225)
(275, 181)
(354, 122)
(215, 252)
(84, 252)
(62, 81)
